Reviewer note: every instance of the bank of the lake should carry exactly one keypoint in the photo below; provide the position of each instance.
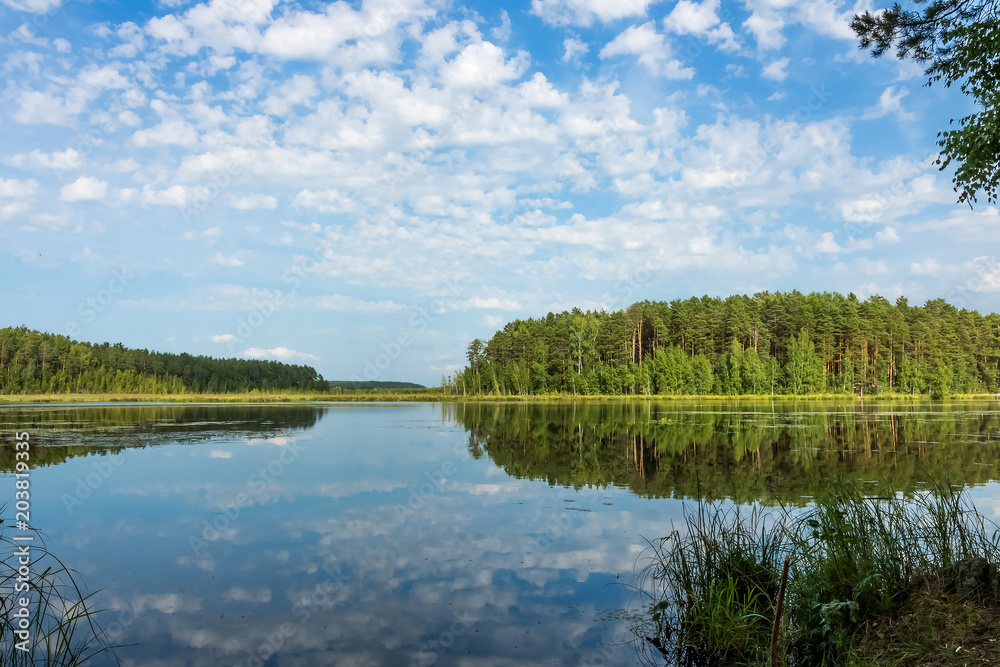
(438, 395)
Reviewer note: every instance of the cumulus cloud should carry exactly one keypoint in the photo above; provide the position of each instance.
(238, 258)
(573, 48)
(12, 187)
(211, 235)
(585, 12)
(85, 188)
(652, 50)
(37, 6)
(254, 201)
(929, 267)
(701, 19)
(890, 102)
(36, 159)
(776, 70)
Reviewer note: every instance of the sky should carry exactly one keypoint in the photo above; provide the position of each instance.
(367, 186)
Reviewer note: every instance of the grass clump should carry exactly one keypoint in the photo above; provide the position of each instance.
(64, 631)
(712, 586)
(865, 573)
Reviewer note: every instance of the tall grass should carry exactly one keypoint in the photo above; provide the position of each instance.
(63, 627)
(710, 586)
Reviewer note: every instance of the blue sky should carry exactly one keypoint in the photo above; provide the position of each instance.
(367, 186)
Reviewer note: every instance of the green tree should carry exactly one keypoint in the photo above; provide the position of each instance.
(804, 368)
(959, 40)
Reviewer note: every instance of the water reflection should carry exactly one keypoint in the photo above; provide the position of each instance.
(742, 452)
(419, 534)
(79, 430)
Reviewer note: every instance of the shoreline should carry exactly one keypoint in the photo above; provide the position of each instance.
(435, 397)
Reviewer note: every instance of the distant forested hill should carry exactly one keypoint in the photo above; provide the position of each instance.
(790, 343)
(32, 362)
(373, 384)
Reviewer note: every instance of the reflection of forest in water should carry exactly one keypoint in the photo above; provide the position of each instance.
(742, 452)
(59, 433)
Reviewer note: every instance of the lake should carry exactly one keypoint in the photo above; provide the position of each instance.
(431, 533)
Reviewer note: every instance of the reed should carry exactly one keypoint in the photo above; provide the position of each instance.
(63, 624)
(709, 588)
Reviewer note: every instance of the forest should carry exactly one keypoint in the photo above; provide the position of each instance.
(32, 362)
(768, 343)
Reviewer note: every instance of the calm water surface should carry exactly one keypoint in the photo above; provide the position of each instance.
(430, 534)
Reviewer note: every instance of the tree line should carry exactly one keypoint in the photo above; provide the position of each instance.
(33, 362)
(768, 343)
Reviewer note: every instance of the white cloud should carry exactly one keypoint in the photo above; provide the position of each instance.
(348, 304)
(701, 19)
(573, 48)
(211, 235)
(279, 353)
(254, 201)
(133, 41)
(38, 108)
(175, 195)
(929, 267)
(220, 454)
(890, 102)
(238, 258)
(12, 187)
(652, 50)
(327, 201)
(223, 338)
(501, 33)
(483, 64)
(767, 30)
(887, 235)
(36, 159)
(85, 188)
(585, 12)
(169, 132)
(827, 244)
(305, 34)
(36, 6)
(298, 90)
(776, 71)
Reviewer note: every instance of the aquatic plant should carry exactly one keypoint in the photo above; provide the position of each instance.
(710, 586)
